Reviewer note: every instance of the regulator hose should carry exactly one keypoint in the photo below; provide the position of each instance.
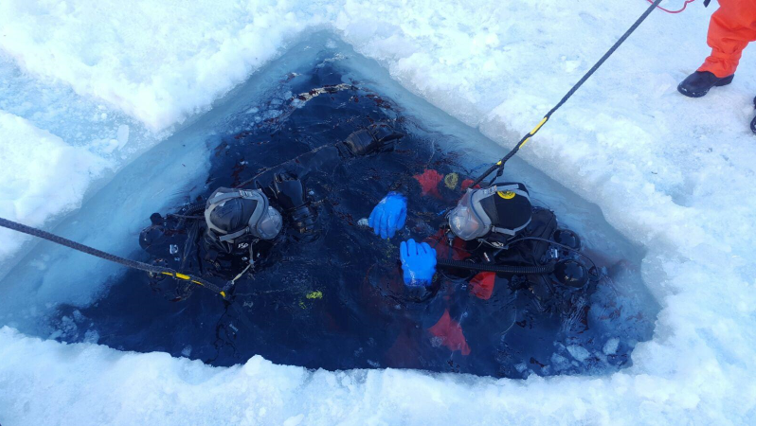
(506, 269)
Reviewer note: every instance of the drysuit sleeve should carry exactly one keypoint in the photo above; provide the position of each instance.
(377, 138)
(164, 238)
(321, 160)
(286, 185)
(173, 243)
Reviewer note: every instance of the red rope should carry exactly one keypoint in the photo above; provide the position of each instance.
(687, 2)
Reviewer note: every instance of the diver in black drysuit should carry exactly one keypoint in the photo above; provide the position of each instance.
(460, 308)
(233, 232)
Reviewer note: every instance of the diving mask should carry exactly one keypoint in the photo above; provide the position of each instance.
(502, 208)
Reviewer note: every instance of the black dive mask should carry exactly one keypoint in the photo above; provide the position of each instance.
(503, 209)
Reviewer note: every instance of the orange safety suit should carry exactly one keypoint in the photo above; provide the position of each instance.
(732, 27)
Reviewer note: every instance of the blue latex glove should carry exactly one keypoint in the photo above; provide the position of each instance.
(418, 262)
(389, 215)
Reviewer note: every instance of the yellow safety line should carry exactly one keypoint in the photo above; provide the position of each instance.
(535, 130)
(542, 122)
(187, 278)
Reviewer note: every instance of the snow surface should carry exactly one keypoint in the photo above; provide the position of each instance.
(41, 176)
(674, 174)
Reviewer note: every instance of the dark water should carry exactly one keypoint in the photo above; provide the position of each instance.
(337, 302)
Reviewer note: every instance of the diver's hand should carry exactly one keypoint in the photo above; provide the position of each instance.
(377, 137)
(384, 134)
(389, 215)
(289, 192)
(418, 262)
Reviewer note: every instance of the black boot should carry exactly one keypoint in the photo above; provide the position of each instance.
(753, 122)
(699, 83)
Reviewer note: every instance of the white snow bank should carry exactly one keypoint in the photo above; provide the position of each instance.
(89, 384)
(41, 176)
(674, 174)
(157, 61)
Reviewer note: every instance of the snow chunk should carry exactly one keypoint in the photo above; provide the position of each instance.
(578, 352)
(122, 135)
(294, 421)
(611, 346)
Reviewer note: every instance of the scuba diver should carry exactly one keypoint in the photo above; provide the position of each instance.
(233, 232)
(511, 256)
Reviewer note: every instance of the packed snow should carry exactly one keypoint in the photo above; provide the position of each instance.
(41, 175)
(81, 82)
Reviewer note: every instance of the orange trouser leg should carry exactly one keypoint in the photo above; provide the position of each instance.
(732, 27)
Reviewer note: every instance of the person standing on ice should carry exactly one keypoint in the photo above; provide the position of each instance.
(731, 28)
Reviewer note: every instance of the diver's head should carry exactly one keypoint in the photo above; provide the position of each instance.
(492, 214)
(233, 214)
